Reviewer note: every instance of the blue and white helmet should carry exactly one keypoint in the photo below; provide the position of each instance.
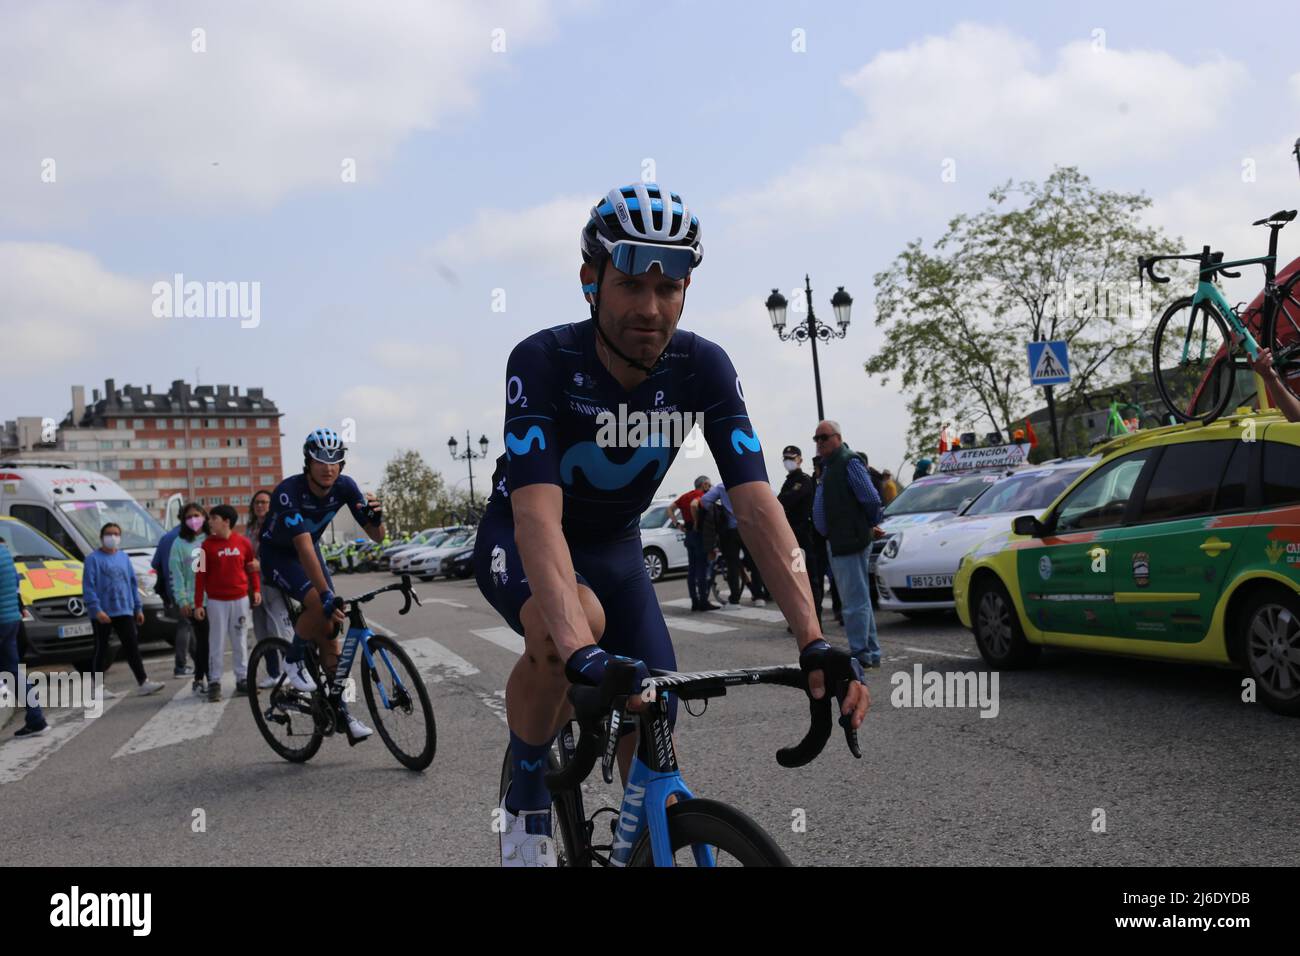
(324, 445)
(637, 213)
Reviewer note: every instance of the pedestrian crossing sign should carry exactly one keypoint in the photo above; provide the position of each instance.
(1049, 363)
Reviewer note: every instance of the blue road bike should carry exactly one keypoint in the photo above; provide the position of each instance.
(295, 723)
(661, 823)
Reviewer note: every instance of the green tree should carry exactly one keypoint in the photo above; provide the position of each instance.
(411, 493)
(1049, 260)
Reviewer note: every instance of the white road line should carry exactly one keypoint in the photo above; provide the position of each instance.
(502, 637)
(680, 623)
(733, 610)
(950, 654)
(445, 601)
(184, 717)
(20, 757)
(435, 662)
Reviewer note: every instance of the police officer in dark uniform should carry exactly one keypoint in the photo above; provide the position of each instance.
(796, 497)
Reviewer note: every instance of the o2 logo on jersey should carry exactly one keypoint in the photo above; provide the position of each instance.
(750, 442)
(522, 446)
(738, 390)
(515, 392)
(284, 498)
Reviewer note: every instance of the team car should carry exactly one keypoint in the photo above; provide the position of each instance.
(1182, 543)
(914, 572)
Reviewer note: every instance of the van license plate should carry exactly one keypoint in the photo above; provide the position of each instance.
(75, 630)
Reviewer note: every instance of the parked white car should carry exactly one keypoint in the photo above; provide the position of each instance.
(427, 563)
(914, 572)
(662, 546)
(429, 538)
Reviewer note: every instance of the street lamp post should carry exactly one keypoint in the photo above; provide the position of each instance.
(468, 456)
(812, 330)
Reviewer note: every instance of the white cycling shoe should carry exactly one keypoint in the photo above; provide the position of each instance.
(357, 731)
(298, 677)
(521, 848)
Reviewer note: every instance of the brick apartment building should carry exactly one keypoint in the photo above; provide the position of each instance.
(208, 443)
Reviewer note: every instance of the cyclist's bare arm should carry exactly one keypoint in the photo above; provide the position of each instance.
(763, 527)
(1281, 396)
(539, 536)
(768, 537)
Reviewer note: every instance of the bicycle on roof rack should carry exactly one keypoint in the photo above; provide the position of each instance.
(1201, 340)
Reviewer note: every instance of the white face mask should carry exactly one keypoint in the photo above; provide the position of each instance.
(790, 464)
(111, 541)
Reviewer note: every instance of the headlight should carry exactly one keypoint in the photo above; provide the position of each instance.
(960, 563)
(892, 545)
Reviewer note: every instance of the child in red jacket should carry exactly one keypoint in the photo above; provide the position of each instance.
(221, 588)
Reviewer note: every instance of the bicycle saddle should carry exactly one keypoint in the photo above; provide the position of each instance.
(1280, 218)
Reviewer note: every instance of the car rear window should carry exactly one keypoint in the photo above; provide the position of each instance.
(939, 494)
(1281, 474)
(1186, 479)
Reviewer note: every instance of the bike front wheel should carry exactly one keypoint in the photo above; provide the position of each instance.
(1283, 336)
(399, 703)
(1193, 362)
(283, 715)
(696, 825)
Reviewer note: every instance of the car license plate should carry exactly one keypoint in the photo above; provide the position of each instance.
(929, 580)
(75, 630)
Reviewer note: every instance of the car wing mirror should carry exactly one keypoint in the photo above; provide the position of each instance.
(1028, 525)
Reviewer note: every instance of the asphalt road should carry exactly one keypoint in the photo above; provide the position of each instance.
(1184, 771)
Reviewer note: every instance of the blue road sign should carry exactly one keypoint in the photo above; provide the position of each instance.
(1049, 363)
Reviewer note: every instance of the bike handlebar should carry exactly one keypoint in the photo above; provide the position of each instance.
(404, 586)
(592, 704)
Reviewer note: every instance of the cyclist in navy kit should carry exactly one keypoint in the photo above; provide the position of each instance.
(595, 414)
(302, 506)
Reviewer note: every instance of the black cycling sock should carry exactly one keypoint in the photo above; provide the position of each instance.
(528, 790)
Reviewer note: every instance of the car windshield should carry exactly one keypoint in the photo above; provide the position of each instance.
(139, 528)
(945, 493)
(1025, 493)
(654, 518)
(25, 544)
(455, 542)
(435, 540)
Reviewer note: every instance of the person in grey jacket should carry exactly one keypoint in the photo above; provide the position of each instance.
(271, 617)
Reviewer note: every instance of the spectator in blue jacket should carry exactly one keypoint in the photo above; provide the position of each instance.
(112, 595)
(11, 619)
(165, 589)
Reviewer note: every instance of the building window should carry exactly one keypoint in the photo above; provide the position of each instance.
(264, 443)
(231, 423)
(121, 423)
(265, 460)
(210, 443)
(164, 463)
(214, 462)
(105, 445)
(269, 480)
(137, 423)
(211, 423)
(198, 481)
(262, 423)
(240, 442)
(232, 462)
(215, 481)
(146, 463)
(178, 423)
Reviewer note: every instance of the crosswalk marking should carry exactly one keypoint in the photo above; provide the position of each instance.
(733, 610)
(696, 627)
(446, 601)
(184, 717)
(495, 702)
(502, 637)
(435, 662)
(953, 655)
(20, 757)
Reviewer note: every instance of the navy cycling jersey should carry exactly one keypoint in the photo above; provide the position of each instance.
(294, 509)
(570, 423)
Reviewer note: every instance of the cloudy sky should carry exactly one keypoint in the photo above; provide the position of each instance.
(389, 172)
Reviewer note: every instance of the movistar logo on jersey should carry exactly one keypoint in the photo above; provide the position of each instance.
(293, 522)
(606, 475)
(522, 446)
(749, 442)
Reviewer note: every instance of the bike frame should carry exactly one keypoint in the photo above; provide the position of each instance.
(653, 779)
(359, 635)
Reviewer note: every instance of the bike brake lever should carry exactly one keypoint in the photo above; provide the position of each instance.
(611, 744)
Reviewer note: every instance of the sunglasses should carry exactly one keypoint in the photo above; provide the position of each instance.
(823, 437)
